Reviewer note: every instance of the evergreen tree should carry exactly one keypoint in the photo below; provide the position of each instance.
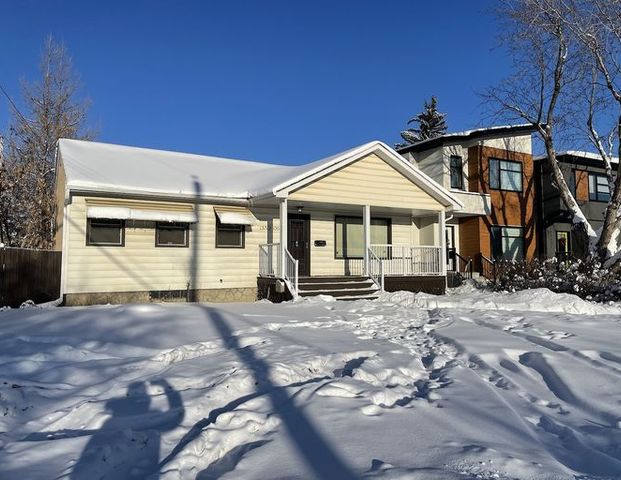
(429, 123)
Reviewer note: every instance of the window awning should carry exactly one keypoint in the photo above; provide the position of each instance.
(125, 213)
(235, 216)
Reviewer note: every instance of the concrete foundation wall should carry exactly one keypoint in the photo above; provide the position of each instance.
(219, 295)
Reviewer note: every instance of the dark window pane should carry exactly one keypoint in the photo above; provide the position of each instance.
(229, 235)
(599, 190)
(457, 173)
(171, 235)
(104, 232)
(507, 243)
(494, 173)
(505, 175)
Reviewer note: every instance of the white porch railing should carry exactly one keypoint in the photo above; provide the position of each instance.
(376, 270)
(269, 260)
(270, 265)
(291, 273)
(409, 259)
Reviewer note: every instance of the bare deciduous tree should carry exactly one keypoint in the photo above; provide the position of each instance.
(53, 110)
(562, 49)
(596, 25)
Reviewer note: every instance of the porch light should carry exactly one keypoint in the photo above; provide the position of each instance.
(300, 209)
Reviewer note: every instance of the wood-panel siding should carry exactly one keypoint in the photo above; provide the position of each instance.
(323, 261)
(508, 208)
(369, 181)
(582, 185)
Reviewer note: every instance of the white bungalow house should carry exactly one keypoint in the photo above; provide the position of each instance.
(138, 224)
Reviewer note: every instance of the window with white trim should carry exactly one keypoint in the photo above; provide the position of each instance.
(349, 235)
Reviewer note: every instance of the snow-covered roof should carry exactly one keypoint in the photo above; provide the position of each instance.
(523, 129)
(107, 168)
(579, 154)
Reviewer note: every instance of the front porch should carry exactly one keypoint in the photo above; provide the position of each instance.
(330, 249)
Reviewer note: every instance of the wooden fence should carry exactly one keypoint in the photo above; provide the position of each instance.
(27, 274)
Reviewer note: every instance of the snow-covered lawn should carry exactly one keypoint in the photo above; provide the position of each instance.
(468, 385)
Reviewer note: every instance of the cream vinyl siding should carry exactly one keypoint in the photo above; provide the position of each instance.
(323, 261)
(140, 266)
(368, 181)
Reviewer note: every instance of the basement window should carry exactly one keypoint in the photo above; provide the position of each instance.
(105, 232)
(172, 234)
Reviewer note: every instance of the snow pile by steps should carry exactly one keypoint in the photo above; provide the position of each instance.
(467, 385)
(536, 300)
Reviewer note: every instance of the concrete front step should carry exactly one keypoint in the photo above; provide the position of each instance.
(339, 287)
(335, 285)
(339, 293)
(333, 279)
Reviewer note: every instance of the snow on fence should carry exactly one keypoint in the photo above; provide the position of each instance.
(27, 274)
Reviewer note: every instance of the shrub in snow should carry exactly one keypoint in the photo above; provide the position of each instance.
(586, 278)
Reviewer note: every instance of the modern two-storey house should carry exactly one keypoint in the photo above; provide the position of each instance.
(491, 172)
(585, 174)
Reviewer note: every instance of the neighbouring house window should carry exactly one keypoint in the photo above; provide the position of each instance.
(573, 181)
(229, 235)
(562, 243)
(507, 242)
(457, 172)
(599, 190)
(172, 234)
(349, 235)
(105, 232)
(505, 175)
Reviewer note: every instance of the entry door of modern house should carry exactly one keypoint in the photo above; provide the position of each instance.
(299, 242)
(451, 260)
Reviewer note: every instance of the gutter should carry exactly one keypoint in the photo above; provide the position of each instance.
(159, 196)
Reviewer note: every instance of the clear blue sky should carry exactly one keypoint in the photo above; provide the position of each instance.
(276, 81)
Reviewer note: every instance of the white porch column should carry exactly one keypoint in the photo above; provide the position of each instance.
(284, 224)
(442, 233)
(366, 222)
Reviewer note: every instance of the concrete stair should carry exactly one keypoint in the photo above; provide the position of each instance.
(339, 287)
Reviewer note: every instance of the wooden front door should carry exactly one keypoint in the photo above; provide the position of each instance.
(299, 242)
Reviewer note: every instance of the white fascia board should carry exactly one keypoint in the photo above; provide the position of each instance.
(77, 189)
(298, 181)
(387, 154)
